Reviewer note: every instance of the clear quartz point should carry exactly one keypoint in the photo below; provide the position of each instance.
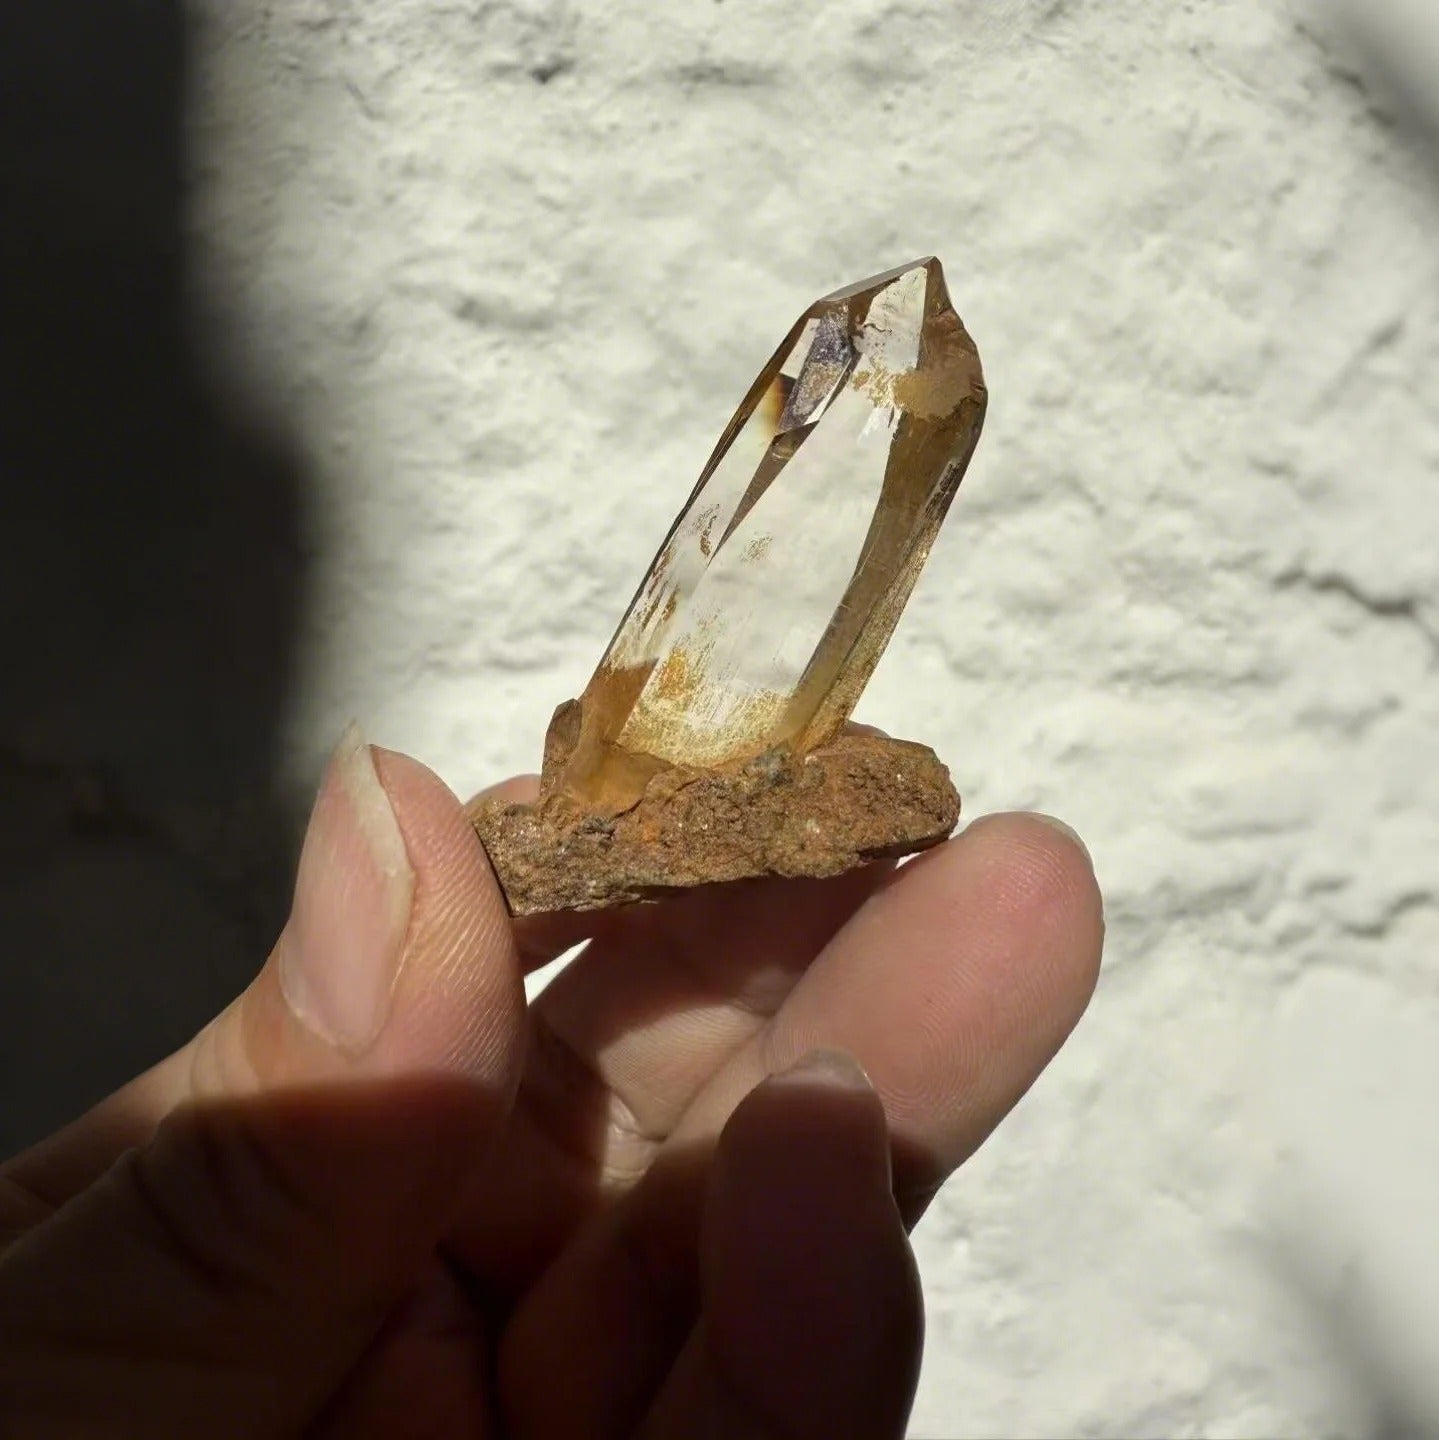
(779, 584)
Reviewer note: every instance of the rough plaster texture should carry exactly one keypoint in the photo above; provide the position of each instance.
(500, 270)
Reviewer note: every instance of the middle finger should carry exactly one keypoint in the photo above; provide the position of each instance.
(952, 988)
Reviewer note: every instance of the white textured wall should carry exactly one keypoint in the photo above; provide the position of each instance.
(506, 267)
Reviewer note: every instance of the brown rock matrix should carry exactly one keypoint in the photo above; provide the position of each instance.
(861, 797)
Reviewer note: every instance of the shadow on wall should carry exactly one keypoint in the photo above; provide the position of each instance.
(1394, 1405)
(1391, 49)
(150, 581)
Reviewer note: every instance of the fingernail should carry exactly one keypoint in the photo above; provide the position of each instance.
(855, 1133)
(1066, 831)
(832, 1067)
(344, 942)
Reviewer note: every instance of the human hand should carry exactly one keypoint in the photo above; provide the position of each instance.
(378, 1195)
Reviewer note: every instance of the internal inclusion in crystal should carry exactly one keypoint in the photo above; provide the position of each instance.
(779, 585)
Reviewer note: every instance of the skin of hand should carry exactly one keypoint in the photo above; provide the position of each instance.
(379, 1195)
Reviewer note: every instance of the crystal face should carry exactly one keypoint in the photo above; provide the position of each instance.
(780, 583)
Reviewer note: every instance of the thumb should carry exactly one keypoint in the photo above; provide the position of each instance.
(295, 1165)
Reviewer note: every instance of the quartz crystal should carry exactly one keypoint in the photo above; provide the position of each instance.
(779, 585)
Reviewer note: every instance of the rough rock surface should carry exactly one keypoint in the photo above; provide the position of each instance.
(490, 276)
(860, 798)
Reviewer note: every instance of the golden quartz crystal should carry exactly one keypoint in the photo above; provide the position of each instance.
(711, 743)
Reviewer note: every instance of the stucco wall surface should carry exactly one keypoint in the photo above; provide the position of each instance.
(503, 267)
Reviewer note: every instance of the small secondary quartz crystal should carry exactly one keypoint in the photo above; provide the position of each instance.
(711, 742)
